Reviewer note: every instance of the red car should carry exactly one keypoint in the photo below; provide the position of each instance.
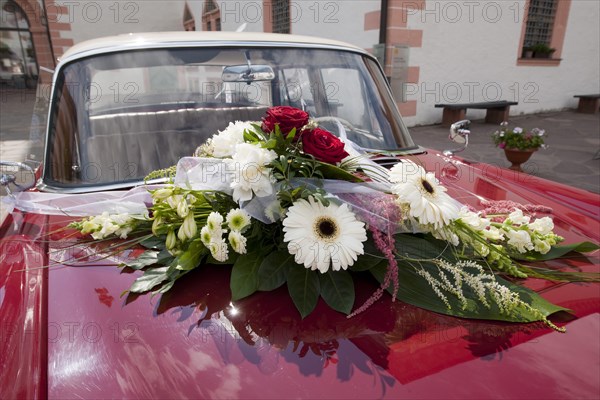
(124, 106)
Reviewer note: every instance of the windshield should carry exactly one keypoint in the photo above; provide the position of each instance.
(116, 117)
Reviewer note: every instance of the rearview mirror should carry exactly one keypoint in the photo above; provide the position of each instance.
(247, 73)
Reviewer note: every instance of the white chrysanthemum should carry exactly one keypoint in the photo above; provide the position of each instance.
(320, 236)
(426, 198)
(250, 174)
(214, 223)
(218, 249)
(223, 144)
(543, 226)
(520, 240)
(237, 219)
(517, 217)
(237, 242)
(206, 236)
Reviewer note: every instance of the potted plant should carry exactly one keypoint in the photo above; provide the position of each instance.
(518, 144)
(527, 52)
(542, 50)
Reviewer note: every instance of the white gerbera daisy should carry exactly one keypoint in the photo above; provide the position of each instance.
(426, 198)
(237, 242)
(237, 219)
(320, 236)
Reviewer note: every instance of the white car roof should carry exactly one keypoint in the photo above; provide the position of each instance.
(133, 41)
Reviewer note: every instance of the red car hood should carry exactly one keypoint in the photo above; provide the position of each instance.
(69, 333)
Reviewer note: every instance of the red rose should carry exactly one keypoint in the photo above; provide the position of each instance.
(286, 117)
(323, 146)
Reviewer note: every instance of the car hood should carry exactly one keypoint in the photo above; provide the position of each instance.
(75, 335)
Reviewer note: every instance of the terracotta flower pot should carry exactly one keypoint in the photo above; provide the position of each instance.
(518, 157)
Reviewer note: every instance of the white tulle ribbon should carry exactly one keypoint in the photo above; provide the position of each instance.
(134, 201)
(214, 174)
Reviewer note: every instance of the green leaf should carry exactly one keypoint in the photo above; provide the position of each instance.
(273, 270)
(332, 172)
(148, 257)
(291, 135)
(415, 290)
(244, 275)
(559, 251)
(304, 288)
(165, 258)
(423, 247)
(154, 243)
(190, 259)
(151, 278)
(337, 289)
(367, 261)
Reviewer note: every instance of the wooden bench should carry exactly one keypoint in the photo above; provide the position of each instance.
(497, 111)
(588, 103)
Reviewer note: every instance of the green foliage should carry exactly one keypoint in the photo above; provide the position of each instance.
(559, 251)
(146, 258)
(151, 278)
(274, 269)
(337, 289)
(244, 275)
(518, 138)
(542, 48)
(191, 257)
(304, 288)
(414, 289)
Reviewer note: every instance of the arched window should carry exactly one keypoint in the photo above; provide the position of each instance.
(18, 65)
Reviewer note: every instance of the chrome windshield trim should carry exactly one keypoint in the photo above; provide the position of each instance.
(152, 45)
(44, 187)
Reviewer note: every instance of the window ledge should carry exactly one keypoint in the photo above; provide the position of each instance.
(539, 62)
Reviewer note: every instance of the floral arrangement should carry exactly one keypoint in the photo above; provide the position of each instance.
(285, 203)
(519, 139)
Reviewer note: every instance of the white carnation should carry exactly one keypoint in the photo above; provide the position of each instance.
(223, 144)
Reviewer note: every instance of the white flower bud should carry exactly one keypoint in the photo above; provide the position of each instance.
(156, 225)
(162, 194)
(188, 228)
(171, 241)
(183, 208)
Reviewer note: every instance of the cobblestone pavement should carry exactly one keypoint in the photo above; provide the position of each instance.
(572, 157)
